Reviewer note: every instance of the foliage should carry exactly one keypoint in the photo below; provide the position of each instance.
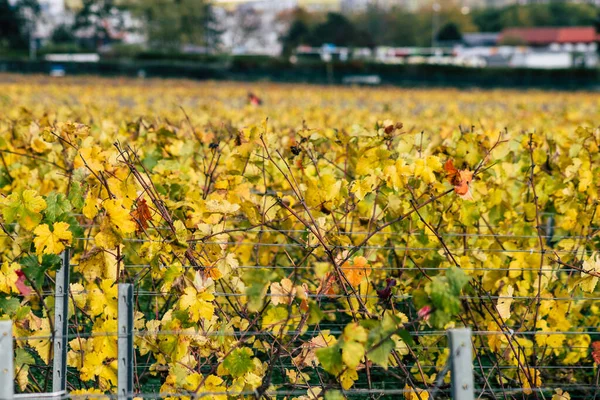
(550, 14)
(95, 21)
(323, 250)
(170, 24)
(334, 29)
(297, 35)
(449, 33)
(400, 27)
(16, 20)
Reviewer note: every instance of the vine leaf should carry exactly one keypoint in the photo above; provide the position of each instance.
(596, 352)
(504, 302)
(239, 361)
(118, 216)
(460, 179)
(57, 205)
(21, 285)
(23, 207)
(141, 215)
(356, 272)
(52, 241)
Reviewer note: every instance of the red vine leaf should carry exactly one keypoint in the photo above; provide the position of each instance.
(460, 179)
(141, 215)
(596, 352)
(21, 285)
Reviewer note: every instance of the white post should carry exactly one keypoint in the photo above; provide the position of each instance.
(7, 370)
(125, 345)
(461, 353)
(61, 324)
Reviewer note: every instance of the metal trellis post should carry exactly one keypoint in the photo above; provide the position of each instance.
(461, 353)
(125, 352)
(61, 320)
(6, 361)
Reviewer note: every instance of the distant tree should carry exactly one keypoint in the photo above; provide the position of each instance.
(300, 24)
(297, 34)
(246, 24)
(395, 27)
(63, 34)
(95, 19)
(488, 20)
(171, 24)
(338, 30)
(551, 14)
(423, 23)
(10, 29)
(16, 22)
(449, 33)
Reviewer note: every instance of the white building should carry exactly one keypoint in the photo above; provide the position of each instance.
(281, 5)
(52, 14)
(353, 6)
(252, 27)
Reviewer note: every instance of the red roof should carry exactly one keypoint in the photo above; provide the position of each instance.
(545, 36)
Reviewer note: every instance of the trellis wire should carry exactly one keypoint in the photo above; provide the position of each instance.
(508, 332)
(337, 328)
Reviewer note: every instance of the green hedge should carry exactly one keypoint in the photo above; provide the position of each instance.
(280, 70)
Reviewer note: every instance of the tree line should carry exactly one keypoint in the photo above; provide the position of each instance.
(399, 27)
(168, 25)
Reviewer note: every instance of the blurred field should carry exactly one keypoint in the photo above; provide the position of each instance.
(319, 106)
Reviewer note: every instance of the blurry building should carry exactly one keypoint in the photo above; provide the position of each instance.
(53, 13)
(480, 39)
(320, 5)
(280, 5)
(355, 6)
(121, 26)
(582, 38)
(501, 3)
(252, 27)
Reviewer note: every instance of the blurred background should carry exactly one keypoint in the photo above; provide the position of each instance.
(371, 42)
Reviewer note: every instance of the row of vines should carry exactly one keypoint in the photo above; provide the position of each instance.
(317, 245)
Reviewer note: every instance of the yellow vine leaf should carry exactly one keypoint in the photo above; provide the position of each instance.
(119, 216)
(97, 264)
(43, 344)
(425, 168)
(532, 375)
(93, 156)
(77, 291)
(198, 304)
(39, 145)
(8, 277)
(348, 377)
(108, 238)
(52, 242)
(282, 292)
(214, 384)
(102, 298)
(505, 301)
(415, 394)
(91, 207)
(88, 394)
(96, 365)
(22, 377)
(589, 275)
(561, 395)
(221, 207)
